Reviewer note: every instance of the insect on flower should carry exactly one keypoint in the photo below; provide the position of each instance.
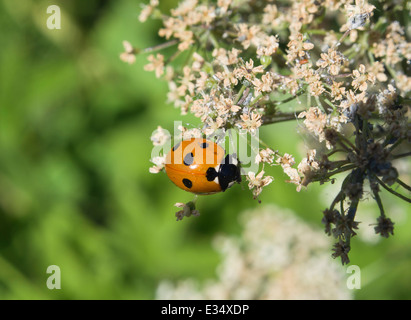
(200, 166)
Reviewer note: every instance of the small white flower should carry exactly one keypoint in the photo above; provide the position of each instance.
(257, 182)
(159, 164)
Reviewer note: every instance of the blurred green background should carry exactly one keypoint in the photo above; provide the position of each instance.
(75, 191)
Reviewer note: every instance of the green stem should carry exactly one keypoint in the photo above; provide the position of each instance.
(391, 70)
(334, 151)
(240, 93)
(338, 164)
(330, 174)
(396, 144)
(379, 202)
(160, 46)
(341, 39)
(317, 31)
(341, 75)
(280, 102)
(370, 56)
(317, 99)
(348, 142)
(342, 208)
(402, 155)
(263, 143)
(329, 103)
(173, 57)
(255, 100)
(403, 184)
(348, 51)
(279, 117)
(392, 191)
(339, 198)
(195, 199)
(213, 40)
(353, 208)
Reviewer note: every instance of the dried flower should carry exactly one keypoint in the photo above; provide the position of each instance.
(337, 91)
(265, 155)
(286, 161)
(385, 227)
(251, 123)
(257, 182)
(156, 64)
(188, 210)
(129, 55)
(361, 78)
(315, 121)
(330, 217)
(248, 35)
(297, 48)
(147, 10)
(341, 250)
(160, 136)
(331, 60)
(159, 164)
(377, 70)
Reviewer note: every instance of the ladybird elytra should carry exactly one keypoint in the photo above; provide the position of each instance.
(200, 166)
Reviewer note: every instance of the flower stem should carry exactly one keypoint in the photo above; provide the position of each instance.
(330, 174)
(160, 46)
(390, 70)
(239, 94)
(402, 155)
(255, 100)
(276, 118)
(403, 184)
(341, 39)
(338, 198)
(392, 191)
(379, 202)
(396, 144)
(334, 151)
(213, 40)
(348, 142)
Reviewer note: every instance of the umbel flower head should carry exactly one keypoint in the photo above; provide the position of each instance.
(276, 256)
(385, 226)
(338, 69)
(257, 182)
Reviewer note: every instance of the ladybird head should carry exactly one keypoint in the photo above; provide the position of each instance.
(229, 172)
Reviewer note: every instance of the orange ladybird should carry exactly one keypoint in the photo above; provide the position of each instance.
(200, 166)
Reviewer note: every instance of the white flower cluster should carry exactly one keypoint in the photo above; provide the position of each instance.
(277, 256)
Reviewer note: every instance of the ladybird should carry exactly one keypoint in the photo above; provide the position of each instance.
(200, 166)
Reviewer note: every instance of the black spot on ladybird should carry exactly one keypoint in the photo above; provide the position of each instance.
(189, 159)
(176, 146)
(211, 174)
(187, 183)
(204, 145)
